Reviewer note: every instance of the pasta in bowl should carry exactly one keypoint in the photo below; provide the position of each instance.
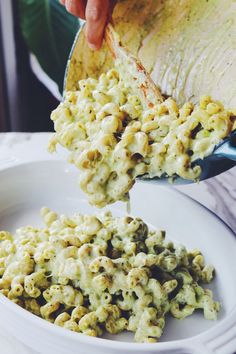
(92, 274)
(26, 187)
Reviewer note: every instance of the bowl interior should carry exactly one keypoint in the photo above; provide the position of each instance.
(26, 188)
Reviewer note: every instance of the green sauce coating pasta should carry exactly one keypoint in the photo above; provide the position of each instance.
(91, 274)
(113, 137)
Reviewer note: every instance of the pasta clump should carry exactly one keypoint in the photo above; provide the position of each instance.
(91, 274)
(113, 137)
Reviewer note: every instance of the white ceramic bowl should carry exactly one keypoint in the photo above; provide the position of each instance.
(24, 189)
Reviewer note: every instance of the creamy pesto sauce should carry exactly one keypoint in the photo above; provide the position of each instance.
(91, 274)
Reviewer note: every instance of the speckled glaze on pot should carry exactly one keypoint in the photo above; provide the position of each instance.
(188, 46)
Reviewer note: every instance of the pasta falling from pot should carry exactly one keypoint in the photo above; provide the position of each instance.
(119, 127)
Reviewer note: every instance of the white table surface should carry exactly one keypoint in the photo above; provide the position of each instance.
(217, 194)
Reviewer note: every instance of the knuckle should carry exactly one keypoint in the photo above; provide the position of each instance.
(93, 13)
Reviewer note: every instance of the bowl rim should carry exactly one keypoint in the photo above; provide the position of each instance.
(209, 335)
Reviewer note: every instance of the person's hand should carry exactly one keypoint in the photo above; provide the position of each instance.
(96, 13)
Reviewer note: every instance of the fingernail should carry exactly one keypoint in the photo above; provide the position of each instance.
(92, 46)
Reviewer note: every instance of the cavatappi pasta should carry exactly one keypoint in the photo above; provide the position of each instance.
(113, 137)
(92, 274)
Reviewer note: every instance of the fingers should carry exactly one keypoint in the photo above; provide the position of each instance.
(96, 14)
(75, 7)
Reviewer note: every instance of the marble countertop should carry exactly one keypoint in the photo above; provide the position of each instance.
(218, 194)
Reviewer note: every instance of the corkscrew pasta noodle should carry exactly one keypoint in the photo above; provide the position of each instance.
(91, 274)
(113, 137)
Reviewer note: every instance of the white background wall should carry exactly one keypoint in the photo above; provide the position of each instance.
(7, 34)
